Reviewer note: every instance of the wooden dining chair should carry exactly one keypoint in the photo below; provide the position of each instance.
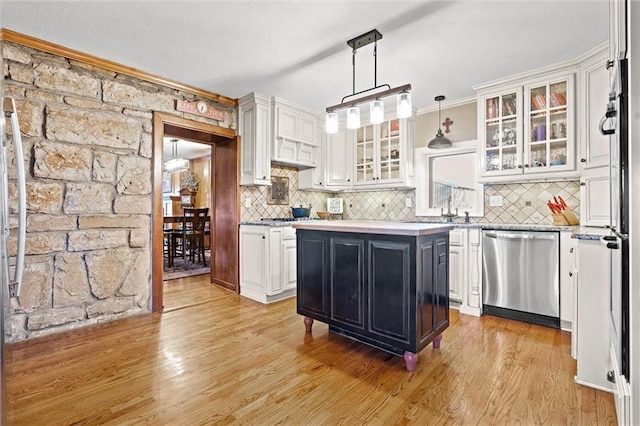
(190, 240)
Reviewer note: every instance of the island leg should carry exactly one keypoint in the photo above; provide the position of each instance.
(308, 322)
(410, 360)
(437, 340)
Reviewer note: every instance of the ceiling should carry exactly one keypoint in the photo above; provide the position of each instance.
(185, 149)
(297, 49)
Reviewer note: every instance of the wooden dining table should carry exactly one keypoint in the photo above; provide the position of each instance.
(169, 224)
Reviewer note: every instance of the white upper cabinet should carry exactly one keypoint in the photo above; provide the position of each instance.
(549, 132)
(313, 179)
(255, 131)
(592, 105)
(384, 154)
(296, 139)
(338, 162)
(526, 127)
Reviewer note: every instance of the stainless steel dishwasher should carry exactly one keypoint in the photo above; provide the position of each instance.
(521, 275)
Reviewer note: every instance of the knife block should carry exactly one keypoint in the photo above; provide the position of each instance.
(570, 216)
(559, 219)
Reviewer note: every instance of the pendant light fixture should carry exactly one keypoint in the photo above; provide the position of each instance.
(376, 108)
(439, 142)
(176, 164)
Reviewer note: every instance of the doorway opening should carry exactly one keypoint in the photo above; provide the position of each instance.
(221, 200)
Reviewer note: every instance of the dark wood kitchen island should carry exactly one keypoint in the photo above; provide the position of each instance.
(385, 284)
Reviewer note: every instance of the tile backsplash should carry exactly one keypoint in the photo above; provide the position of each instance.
(259, 195)
(522, 202)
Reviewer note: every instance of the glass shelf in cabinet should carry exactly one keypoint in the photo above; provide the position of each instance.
(558, 110)
(538, 115)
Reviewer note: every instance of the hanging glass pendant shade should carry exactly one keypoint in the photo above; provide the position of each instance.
(175, 165)
(404, 105)
(376, 112)
(353, 117)
(331, 123)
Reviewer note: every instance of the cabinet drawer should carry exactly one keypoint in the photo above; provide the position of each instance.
(288, 233)
(456, 237)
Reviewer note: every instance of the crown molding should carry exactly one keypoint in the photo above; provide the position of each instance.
(55, 49)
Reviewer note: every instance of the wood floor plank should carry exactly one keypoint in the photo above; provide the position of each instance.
(218, 358)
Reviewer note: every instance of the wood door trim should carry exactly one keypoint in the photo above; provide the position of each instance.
(160, 120)
(45, 46)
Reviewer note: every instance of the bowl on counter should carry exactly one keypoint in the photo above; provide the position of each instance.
(323, 215)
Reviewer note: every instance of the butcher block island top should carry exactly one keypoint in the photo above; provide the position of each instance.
(385, 284)
(375, 227)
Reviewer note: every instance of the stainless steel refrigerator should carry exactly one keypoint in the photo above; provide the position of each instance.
(10, 277)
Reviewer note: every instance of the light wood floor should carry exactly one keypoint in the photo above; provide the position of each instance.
(230, 360)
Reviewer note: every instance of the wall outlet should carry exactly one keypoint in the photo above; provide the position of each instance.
(247, 202)
(495, 201)
(407, 202)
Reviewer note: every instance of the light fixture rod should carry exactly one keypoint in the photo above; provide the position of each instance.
(375, 63)
(353, 65)
(389, 92)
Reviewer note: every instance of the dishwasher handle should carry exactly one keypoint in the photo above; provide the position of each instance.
(530, 236)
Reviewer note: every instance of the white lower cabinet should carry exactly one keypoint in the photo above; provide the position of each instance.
(465, 270)
(267, 262)
(592, 328)
(457, 264)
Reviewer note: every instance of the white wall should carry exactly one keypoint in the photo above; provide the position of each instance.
(464, 128)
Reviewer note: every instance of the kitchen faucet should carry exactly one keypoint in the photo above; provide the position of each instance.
(449, 215)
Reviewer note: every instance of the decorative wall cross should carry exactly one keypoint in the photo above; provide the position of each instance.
(447, 123)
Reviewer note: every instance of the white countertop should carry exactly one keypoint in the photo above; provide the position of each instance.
(375, 227)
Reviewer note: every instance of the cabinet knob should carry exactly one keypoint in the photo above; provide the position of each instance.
(264, 238)
(519, 166)
(609, 64)
(264, 177)
(571, 251)
(348, 180)
(526, 165)
(582, 184)
(570, 274)
(583, 160)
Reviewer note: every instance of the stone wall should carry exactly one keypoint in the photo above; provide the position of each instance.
(87, 138)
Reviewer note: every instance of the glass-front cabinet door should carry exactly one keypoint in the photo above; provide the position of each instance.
(365, 154)
(389, 155)
(548, 142)
(502, 138)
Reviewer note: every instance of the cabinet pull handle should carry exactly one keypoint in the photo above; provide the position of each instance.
(611, 112)
(583, 160)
